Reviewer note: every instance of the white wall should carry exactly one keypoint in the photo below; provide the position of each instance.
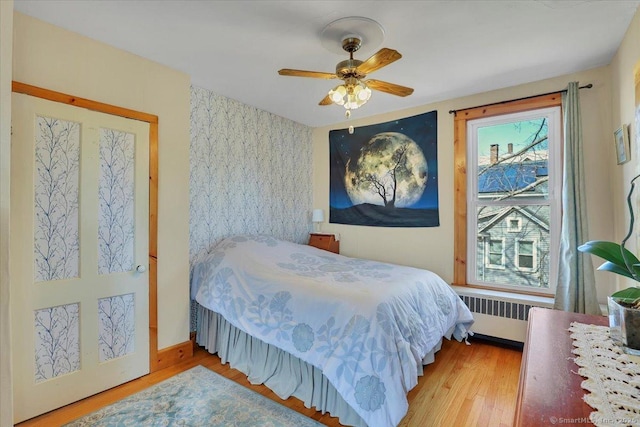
(59, 60)
(6, 37)
(432, 248)
(627, 59)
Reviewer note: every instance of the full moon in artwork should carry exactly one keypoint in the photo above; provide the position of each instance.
(391, 170)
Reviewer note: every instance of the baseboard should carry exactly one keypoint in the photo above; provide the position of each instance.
(499, 341)
(174, 354)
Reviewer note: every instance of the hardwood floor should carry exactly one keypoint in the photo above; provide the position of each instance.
(467, 385)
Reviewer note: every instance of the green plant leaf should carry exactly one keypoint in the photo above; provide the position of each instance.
(609, 251)
(614, 268)
(636, 268)
(629, 295)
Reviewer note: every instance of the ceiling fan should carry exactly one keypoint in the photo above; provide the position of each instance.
(355, 91)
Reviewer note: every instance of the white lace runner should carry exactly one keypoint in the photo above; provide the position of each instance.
(612, 377)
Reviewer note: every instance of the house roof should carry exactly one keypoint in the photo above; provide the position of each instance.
(495, 217)
(511, 177)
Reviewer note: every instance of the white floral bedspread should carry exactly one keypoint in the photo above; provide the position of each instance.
(367, 325)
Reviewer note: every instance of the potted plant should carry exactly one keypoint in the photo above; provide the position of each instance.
(624, 305)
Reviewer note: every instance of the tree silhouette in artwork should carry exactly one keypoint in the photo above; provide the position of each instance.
(385, 185)
(390, 171)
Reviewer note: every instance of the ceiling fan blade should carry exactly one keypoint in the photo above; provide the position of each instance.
(381, 58)
(303, 73)
(387, 87)
(326, 101)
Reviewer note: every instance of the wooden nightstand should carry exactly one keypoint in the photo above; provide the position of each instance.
(327, 242)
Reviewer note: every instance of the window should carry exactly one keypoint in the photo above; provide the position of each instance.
(514, 225)
(495, 253)
(526, 255)
(508, 194)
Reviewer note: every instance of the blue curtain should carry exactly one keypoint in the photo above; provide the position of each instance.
(576, 289)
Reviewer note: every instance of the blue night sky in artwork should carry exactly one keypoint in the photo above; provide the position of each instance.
(343, 146)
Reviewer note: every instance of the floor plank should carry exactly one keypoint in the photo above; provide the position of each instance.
(467, 385)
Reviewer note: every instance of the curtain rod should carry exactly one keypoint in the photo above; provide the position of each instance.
(588, 86)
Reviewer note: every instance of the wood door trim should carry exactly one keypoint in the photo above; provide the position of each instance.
(50, 95)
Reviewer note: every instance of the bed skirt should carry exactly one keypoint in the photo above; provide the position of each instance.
(279, 370)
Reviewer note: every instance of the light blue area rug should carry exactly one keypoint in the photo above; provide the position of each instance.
(197, 397)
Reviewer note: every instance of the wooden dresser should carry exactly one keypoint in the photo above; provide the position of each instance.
(549, 391)
(327, 242)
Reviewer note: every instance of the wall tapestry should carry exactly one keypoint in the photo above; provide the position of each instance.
(386, 175)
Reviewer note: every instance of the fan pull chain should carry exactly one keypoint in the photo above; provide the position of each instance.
(347, 114)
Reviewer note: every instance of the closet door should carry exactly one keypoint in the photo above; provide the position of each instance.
(79, 253)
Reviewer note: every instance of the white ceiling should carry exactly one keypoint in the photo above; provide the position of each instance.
(450, 48)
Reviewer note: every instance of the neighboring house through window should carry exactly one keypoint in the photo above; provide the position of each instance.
(508, 194)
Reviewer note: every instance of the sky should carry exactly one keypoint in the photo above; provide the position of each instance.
(518, 133)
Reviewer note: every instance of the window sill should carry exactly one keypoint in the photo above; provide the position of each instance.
(538, 301)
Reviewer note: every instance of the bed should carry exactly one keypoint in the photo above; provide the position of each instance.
(345, 335)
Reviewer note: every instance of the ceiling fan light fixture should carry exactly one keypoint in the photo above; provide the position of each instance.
(357, 96)
(337, 94)
(363, 93)
(350, 96)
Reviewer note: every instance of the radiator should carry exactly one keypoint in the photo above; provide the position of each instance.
(501, 317)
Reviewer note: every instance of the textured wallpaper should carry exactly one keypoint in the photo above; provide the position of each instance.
(57, 183)
(57, 341)
(116, 217)
(250, 173)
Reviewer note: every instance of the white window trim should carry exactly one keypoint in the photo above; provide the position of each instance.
(534, 254)
(554, 190)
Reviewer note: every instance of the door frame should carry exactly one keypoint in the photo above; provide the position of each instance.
(38, 92)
